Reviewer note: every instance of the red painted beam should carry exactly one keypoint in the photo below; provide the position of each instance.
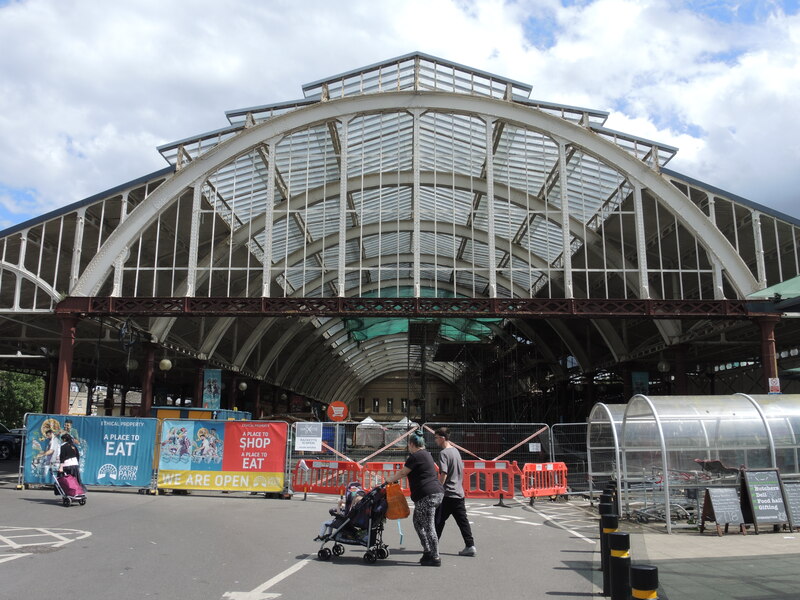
(410, 307)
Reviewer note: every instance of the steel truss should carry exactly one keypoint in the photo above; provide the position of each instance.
(408, 307)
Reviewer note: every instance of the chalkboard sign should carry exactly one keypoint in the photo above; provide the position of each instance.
(722, 505)
(792, 493)
(764, 498)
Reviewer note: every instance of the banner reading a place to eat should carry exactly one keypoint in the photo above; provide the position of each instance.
(236, 456)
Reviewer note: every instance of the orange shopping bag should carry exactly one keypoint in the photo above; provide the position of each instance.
(396, 502)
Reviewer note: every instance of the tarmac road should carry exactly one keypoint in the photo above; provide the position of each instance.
(216, 546)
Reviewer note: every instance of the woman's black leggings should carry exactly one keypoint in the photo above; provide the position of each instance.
(424, 522)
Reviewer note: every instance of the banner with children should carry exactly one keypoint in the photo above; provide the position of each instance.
(236, 456)
(113, 451)
(212, 388)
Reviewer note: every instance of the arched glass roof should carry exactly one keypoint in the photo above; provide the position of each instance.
(414, 177)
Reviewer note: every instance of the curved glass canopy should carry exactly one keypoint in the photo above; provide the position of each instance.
(673, 443)
(603, 437)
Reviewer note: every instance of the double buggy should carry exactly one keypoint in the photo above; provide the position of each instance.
(361, 524)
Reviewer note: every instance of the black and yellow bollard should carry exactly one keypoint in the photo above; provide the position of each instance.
(619, 565)
(613, 498)
(604, 508)
(644, 582)
(609, 524)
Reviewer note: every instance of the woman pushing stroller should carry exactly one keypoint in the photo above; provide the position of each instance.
(426, 492)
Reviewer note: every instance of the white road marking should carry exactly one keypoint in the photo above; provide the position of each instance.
(556, 520)
(258, 593)
(16, 537)
(12, 557)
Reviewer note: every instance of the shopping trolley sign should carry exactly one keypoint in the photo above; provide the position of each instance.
(337, 411)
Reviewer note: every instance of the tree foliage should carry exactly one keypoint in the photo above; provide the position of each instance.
(19, 394)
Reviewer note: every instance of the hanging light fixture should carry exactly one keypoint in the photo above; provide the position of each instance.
(242, 386)
(165, 364)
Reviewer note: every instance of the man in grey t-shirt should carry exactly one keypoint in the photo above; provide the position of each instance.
(451, 474)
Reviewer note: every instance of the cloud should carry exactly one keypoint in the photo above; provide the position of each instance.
(86, 95)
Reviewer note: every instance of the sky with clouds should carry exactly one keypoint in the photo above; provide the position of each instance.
(89, 88)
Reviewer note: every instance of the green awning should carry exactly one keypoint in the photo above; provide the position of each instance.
(785, 290)
(454, 329)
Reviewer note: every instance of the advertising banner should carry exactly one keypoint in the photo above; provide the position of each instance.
(212, 388)
(114, 451)
(640, 382)
(236, 456)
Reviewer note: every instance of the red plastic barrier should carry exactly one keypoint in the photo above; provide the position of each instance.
(544, 479)
(375, 473)
(324, 476)
(489, 479)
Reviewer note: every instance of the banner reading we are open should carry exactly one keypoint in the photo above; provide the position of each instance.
(237, 456)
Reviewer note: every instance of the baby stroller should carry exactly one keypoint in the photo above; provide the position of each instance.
(68, 488)
(361, 525)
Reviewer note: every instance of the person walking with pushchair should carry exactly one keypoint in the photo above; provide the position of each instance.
(70, 459)
(451, 474)
(426, 492)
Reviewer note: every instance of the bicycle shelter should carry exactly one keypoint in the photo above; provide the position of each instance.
(673, 446)
(603, 439)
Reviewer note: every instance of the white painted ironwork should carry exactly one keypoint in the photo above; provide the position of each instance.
(415, 173)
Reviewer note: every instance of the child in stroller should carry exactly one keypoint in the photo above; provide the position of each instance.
(361, 525)
(352, 496)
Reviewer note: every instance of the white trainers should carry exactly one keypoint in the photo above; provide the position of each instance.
(468, 551)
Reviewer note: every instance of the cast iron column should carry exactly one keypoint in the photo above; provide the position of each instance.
(769, 358)
(147, 380)
(65, 352)
(197, 401)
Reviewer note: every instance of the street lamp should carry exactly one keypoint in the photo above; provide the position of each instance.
(242, 389)
(165, 365)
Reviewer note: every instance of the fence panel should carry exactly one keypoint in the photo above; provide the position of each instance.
(520, 442)
(569, 447)
(372, 448)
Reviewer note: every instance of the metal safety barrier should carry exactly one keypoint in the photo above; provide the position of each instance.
(375, 473)
(568, 445)
(544, 479)
(324, 476)
(490, 479)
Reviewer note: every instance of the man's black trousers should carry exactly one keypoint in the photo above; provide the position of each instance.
(455, 507)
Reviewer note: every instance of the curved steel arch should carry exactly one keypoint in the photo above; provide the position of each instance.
(604, 151)
(631, 168)
(38, 282)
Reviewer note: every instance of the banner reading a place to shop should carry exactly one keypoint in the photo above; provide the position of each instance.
(115, 451)
(236, 456)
